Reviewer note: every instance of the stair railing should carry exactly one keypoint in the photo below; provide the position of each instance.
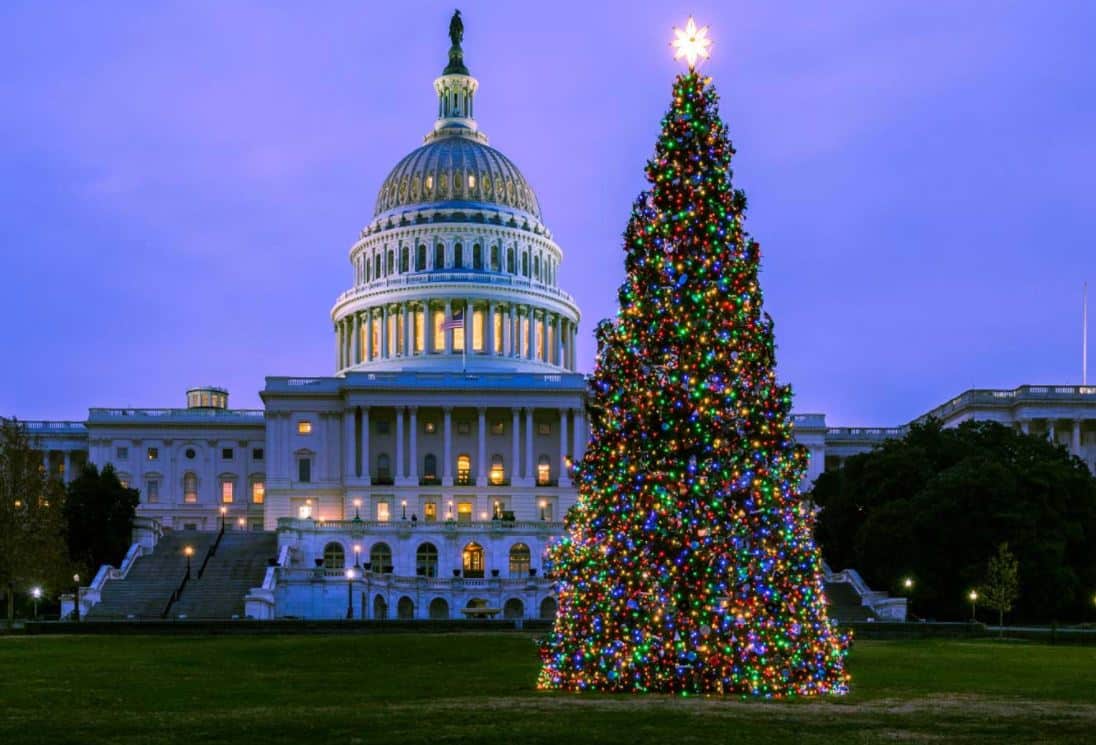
(211, 552)
(175, 595)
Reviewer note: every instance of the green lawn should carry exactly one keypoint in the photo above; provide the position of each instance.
(478, 688)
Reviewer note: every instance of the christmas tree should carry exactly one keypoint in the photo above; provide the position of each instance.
(689, 564)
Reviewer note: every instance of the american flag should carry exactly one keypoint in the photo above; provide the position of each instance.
(456, 322)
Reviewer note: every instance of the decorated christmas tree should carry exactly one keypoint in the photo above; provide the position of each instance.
(689, 564)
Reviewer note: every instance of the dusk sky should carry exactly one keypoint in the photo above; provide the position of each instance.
(182, 182)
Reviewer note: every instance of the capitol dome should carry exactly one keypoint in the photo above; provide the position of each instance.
(456, 172)
(455, 270)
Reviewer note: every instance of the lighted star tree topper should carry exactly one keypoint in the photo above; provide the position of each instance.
(689, 563)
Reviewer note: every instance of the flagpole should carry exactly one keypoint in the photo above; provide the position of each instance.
(1084, 336)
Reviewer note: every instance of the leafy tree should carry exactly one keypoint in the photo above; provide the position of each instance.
(935, 503)
(32, 548)
(1002, 585)
(99, 515)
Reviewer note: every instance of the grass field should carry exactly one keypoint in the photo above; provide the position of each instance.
(478, 688)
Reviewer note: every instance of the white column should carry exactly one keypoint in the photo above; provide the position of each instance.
(338, 346)
(349, 448)
(467, 328)
(512, 343)
(447, 450)
(515, 436)
(481, 449)
(448, 334)
(489, 329)
(529, 473)
(545, 352)
(1075, 445)
(385, 348)
(557, 343)
(398, 476)
(413, 450)
(427, 329)
(368, 334)
(580, 434)
(564, 478)
(532, 333)
(365, 445)
(406, 341)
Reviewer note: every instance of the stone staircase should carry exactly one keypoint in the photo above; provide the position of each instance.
(239, 564)
(144, 593)
(846, 604)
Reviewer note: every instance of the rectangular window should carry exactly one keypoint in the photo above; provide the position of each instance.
(153, 491)
(393, 335)
(544, 428)
(257, 454)
(227, 454)
(430, 511)
(304, 427)
(228, 489)
(439, 332)
(382, 426)
(304, 470)
(419, 331)
(376, 337)
(496, 316)
(429, 426)
(258, 492)
(458, 339)
(464, 427)
(524, 336)
(538, 342)
(464, 512)
(154, 453)
(382, 512)
(477, 330)
(121, 453)
(498, 428)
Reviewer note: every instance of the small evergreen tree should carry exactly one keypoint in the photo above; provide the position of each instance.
(1002, 585)
(99, 516)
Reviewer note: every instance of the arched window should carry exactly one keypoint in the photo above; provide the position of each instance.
(510, 260)
(548, 609)
(439, 609)
(477, 257)
(420, 258)
(405, 609)
(495, 258)
(430, 467)
(391, 262)
(426, 560)
(334, 557)
(384, 469)
(368, 270)
(377, 265)
(525, 265)
(458, 256)
(544, 471)
(380, 558)
(380, 608)
(464, 469)
(404, 259)
(190, 488)
(473, 560)
(536, 267)
(498, 472)
(519, 560)
(439, 256)
(514, 608)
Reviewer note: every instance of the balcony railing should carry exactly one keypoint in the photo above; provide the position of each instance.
(547, 482)
(429, 481)
(355, 525)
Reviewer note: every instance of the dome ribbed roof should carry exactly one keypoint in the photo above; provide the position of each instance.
(457, 172)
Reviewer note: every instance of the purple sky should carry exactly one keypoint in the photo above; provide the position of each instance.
(182, 182)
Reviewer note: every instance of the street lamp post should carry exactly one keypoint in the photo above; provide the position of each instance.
(403, 504)
(357, 555)
(351, 575)
(76, 605)
(973, 596)
(241, 523)
(543, 507)
(224, 511)
(36, 594)
(188, 551)
(357, 509)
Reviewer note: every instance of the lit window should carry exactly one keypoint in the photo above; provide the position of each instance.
(190, 488)
(258, 492)
(393, 335)
(227, 453)
(430, 511)
(153, 453)
(464, 512)
(382, 512)
(304, 427)
(524, 336)
(228, 489)
(464, 469)
(429, 426)
(121, 453)
(153, 491)
(498, 473)
(544, 470)
(473, 560)
(477, 330)
(538, 342)
(458, 339)
(439, 332)
(496, 316)
(419, 331)
(304, 511)
(429, 184)
(471, 181)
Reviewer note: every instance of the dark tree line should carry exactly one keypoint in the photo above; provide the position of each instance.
(936, 504)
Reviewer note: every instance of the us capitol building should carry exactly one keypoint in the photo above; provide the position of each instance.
(425, 478)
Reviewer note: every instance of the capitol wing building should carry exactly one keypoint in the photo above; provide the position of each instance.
(426, 477)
